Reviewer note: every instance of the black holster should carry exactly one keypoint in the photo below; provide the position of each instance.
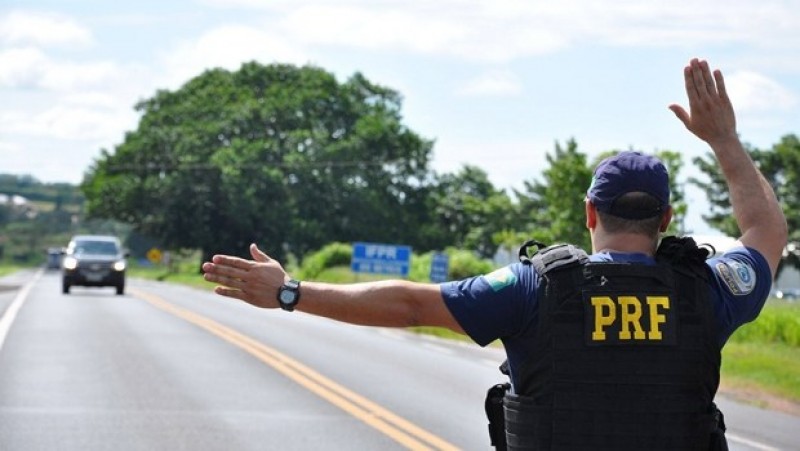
(718, 440)
(494, 412)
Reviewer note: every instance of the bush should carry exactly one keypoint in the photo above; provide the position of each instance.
(467, 264)
(462, 264)
(334, 254)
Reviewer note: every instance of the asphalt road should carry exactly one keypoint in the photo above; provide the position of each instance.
(171, 368)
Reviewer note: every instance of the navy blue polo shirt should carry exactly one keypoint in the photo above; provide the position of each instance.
(502, 305)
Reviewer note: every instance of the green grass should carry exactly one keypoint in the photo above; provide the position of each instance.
(773, 368)
(8, 268)
(764, 355)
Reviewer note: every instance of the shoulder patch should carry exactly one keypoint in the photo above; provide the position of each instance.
(500, 278)
(737, 276)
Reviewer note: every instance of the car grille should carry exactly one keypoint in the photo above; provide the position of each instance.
(95, 266)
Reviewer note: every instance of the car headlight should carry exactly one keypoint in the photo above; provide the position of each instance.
(70, 263)
(119, 266)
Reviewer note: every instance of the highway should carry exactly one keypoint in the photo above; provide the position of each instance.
(167, 367)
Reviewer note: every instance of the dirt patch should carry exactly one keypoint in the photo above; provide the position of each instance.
(754, 396)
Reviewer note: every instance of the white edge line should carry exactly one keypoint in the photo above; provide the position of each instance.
(13, 309)
(748, 442)
(438, 348)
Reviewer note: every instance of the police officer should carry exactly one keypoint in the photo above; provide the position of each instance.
(619, 349)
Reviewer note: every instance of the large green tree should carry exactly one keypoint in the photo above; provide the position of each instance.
(553, 208)
(780, 166)
(276, 154)
(468, 211)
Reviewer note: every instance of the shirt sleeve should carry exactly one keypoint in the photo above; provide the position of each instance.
(492, 306)
(741, 284)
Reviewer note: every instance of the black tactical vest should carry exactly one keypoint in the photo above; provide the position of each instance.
(625, 357)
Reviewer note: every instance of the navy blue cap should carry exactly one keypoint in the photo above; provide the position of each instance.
(629, 172)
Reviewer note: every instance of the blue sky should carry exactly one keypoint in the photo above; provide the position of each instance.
(495, 83)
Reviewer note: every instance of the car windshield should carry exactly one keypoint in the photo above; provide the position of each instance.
(95, 248)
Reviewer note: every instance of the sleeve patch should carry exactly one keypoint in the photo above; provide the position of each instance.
(500, 279)
(737, 276)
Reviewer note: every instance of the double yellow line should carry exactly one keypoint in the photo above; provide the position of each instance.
(399, 429)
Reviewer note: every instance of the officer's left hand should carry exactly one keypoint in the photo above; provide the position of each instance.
(711, 117)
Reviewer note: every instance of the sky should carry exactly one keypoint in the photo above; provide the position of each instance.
(495, 84)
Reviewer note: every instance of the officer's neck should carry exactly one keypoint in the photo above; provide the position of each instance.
(623, 242)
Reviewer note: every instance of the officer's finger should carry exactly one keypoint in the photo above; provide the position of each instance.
(223, 270)
(230, 292)
(723, 92)
(691, 90)
(698, 80)
(227, 281)
(708, 79)
(235, 262)
(258, 254)
(681, 114)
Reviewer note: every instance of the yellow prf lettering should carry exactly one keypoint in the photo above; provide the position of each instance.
(601, 303)
(631, 316)
(656, 318)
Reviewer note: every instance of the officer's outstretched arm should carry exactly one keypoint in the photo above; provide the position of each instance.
(389, 303)
(712, 119)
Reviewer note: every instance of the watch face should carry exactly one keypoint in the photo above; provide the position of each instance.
(287, 296)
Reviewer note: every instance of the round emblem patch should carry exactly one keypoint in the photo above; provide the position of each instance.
(739, 278)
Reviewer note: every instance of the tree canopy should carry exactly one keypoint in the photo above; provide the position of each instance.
(282, 155)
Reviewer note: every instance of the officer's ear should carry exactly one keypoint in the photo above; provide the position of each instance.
(666, 219)
(591, 215)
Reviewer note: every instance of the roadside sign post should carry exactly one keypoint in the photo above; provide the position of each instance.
(377, 258)
(440, 265)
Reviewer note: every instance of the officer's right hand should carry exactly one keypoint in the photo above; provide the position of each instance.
(253, 281)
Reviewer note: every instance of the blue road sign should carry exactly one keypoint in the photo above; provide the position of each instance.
(440, 265)
(379, 258)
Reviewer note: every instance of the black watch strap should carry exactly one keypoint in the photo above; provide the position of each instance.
(289, 295)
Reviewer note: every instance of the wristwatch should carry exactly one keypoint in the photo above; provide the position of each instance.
(289, 295)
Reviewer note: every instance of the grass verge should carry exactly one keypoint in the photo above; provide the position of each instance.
(752, 366)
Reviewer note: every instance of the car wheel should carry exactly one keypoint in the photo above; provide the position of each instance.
(65, 288)
(120, 289)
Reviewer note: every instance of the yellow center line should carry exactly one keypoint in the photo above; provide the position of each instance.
(397, 428)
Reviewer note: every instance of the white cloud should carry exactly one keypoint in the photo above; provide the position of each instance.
(29, 68)
(492, 84)
(373, 28)
(753, 92)
(25, 28)
(227, 47)
(22, 67)
(92, 99)
(9, 147)
(68, 122)
(505, 30)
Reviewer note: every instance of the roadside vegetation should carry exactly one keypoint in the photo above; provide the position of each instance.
(8, 268)
(761, 362)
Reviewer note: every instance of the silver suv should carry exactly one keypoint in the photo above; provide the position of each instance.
(94, 261)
